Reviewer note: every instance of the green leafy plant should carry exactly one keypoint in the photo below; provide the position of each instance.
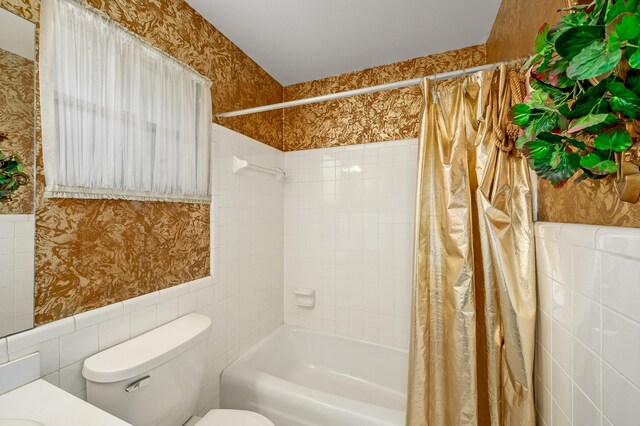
(585, 77)
(12, 174)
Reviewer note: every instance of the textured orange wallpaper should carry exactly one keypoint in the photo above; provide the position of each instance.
(594, 203)
(17, 123)
(516, 26)
(90, 253)
(591, 203)
(382, 116)
(28, 9)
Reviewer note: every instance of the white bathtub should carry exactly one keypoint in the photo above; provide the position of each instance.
(298, 377)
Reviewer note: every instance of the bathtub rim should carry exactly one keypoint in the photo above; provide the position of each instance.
(284, 328)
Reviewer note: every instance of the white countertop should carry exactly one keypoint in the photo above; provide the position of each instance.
(51, 406)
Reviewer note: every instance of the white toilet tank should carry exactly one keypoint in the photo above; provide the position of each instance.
(154, 378)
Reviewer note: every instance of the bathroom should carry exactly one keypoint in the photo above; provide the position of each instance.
(318, 213)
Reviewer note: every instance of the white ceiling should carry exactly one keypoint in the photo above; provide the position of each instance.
(302, 40)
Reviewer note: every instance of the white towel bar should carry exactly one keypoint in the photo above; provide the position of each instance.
(240, 164)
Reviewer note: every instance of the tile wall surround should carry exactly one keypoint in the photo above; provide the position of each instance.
(247, 240)
(17, 234)
(63, 345)
(588, 339)
(349, 215)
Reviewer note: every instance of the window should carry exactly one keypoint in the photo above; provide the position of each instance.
(120, 118)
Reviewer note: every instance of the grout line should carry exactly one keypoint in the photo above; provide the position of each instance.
(601, 341)
(626, 379)
(553, 399)
(582, 390)
(599, 409)
(623, 315)
(573, 368)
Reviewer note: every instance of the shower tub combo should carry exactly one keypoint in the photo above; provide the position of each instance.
(298, 377)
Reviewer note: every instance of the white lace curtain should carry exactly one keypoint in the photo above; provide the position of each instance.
(120, 118)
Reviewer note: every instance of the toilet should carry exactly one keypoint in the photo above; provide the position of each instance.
(155, 378)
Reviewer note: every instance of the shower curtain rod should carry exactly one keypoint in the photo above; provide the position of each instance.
(356, 92)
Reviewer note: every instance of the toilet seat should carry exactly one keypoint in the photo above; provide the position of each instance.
(234, 418)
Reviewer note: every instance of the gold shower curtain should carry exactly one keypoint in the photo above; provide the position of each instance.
(473, 319)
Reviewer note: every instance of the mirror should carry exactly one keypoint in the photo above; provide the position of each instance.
(17, 172)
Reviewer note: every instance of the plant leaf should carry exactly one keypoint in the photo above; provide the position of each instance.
(558, 95)
(522, 139)
(553, 70)
(543, 123)
(568, 163)
(593, 61)
(629, 27)
(570, 20)
(613, 42)
(520, 114)
(555, 139)
(575, 143)
(617, 141)
(623, 96)
(591, 101)
(591, 120)
(634, 60)
(538, 98)
(573, 40)
(607, 166)
(598, 14)
(597, 165)
(633, 81)
(536, 149)
(618, 7)
(629, 50)
(531, 61)
(554, 162)
(619, 89)
(615, 9)
(551, 138)
(590, 160)
(541, 42)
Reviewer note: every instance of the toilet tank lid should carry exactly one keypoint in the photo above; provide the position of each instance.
(147, 351)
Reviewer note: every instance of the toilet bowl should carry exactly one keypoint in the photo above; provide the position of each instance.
(155, 378)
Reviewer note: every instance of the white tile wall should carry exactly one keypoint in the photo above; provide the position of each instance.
(16, 272)
(348, 235)
(64, 345)
(247, 245)
(588, 335)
